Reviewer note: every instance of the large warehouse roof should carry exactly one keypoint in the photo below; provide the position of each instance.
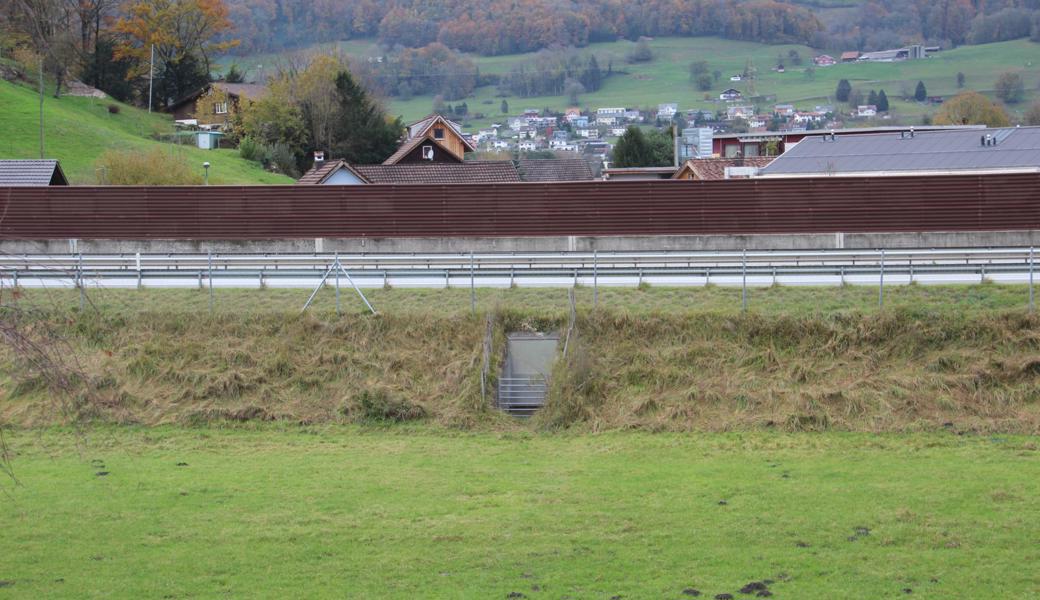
(1015, 149)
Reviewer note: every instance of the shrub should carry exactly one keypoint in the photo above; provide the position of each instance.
(281, 157)
(251, 149)
(378, 405)
(113, 109)
(157, 166)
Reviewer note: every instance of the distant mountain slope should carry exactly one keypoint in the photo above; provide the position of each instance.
(79, 130)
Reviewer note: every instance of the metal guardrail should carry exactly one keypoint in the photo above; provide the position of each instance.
(540, 269)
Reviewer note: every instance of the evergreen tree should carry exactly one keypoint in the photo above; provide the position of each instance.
(593, 76)
(505, 107)
(882, 101)
(872, 98)
(363, 134)
(632, 149)
(920, 94)
(842, 93)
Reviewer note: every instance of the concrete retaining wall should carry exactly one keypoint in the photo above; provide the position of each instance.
(533, 244)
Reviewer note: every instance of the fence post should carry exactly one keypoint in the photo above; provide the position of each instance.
(743, 280)
(472, 286)
(79, 282)
(339, 267)
(209, 279)
(881, 287)
(595, 279)
(1031, 305)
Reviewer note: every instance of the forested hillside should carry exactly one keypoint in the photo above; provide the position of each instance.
(511, 26)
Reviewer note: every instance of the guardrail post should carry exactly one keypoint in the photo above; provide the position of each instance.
(881, 286)
(1031, 305)
(595, 279)
(209, 280)
(472, 286)
(338, 268)
(79, 283)
(743, 280)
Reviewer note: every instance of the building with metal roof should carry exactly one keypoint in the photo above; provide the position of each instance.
(22, 173)
(934, 152)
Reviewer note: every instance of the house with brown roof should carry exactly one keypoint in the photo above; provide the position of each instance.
(216, 104)
(433, 139)
(714, 169)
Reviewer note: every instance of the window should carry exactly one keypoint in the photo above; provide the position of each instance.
(220, 108)
(427, 152)
(750, 149)
(438, 133)
(732, 150)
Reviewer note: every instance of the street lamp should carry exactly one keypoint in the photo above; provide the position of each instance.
(205, 166)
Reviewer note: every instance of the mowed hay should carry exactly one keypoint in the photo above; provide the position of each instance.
(889, 371)
(893, 371)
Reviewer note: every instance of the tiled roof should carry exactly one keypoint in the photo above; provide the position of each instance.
(710, 169)
(249, 91)
(31, 173)
(478, 171)
(322, 172)
(562, 169)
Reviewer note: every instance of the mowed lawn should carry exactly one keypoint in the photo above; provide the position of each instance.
(350, 512)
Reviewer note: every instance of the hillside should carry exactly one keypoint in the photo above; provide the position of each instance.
(666, 79)
(79, 130)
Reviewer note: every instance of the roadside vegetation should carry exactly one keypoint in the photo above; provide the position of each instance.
(956, 358)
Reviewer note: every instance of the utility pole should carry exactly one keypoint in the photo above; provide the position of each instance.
(41, 107)
(151, 74)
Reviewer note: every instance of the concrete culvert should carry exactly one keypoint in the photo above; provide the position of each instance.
(524, 382)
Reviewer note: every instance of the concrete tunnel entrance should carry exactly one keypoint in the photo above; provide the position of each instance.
(523, 384)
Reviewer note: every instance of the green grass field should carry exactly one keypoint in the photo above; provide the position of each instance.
(666, 78)
(405, 512)
(77, 131)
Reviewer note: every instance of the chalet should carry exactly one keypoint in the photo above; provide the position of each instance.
(216, 104)
(784, 110)
(35, 173)
(866, 111)
(761, 144)
(731, 95)
(850, 57)
(571, 113)
(824, 60)
(433, 139)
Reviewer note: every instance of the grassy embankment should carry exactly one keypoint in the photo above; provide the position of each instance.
(666, 78)
(962, 358)
(77, 131)
(417, 512)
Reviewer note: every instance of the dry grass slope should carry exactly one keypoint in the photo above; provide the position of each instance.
(892, 371)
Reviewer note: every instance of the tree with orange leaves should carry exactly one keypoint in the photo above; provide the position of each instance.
(184, 33)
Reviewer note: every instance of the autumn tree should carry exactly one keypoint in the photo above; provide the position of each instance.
(1009, 87)
(971, 108)
(50, 25)
(318, 97)
(1032, 116)
(185, 35)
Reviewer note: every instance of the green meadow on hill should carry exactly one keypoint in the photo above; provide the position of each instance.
(78, 130)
